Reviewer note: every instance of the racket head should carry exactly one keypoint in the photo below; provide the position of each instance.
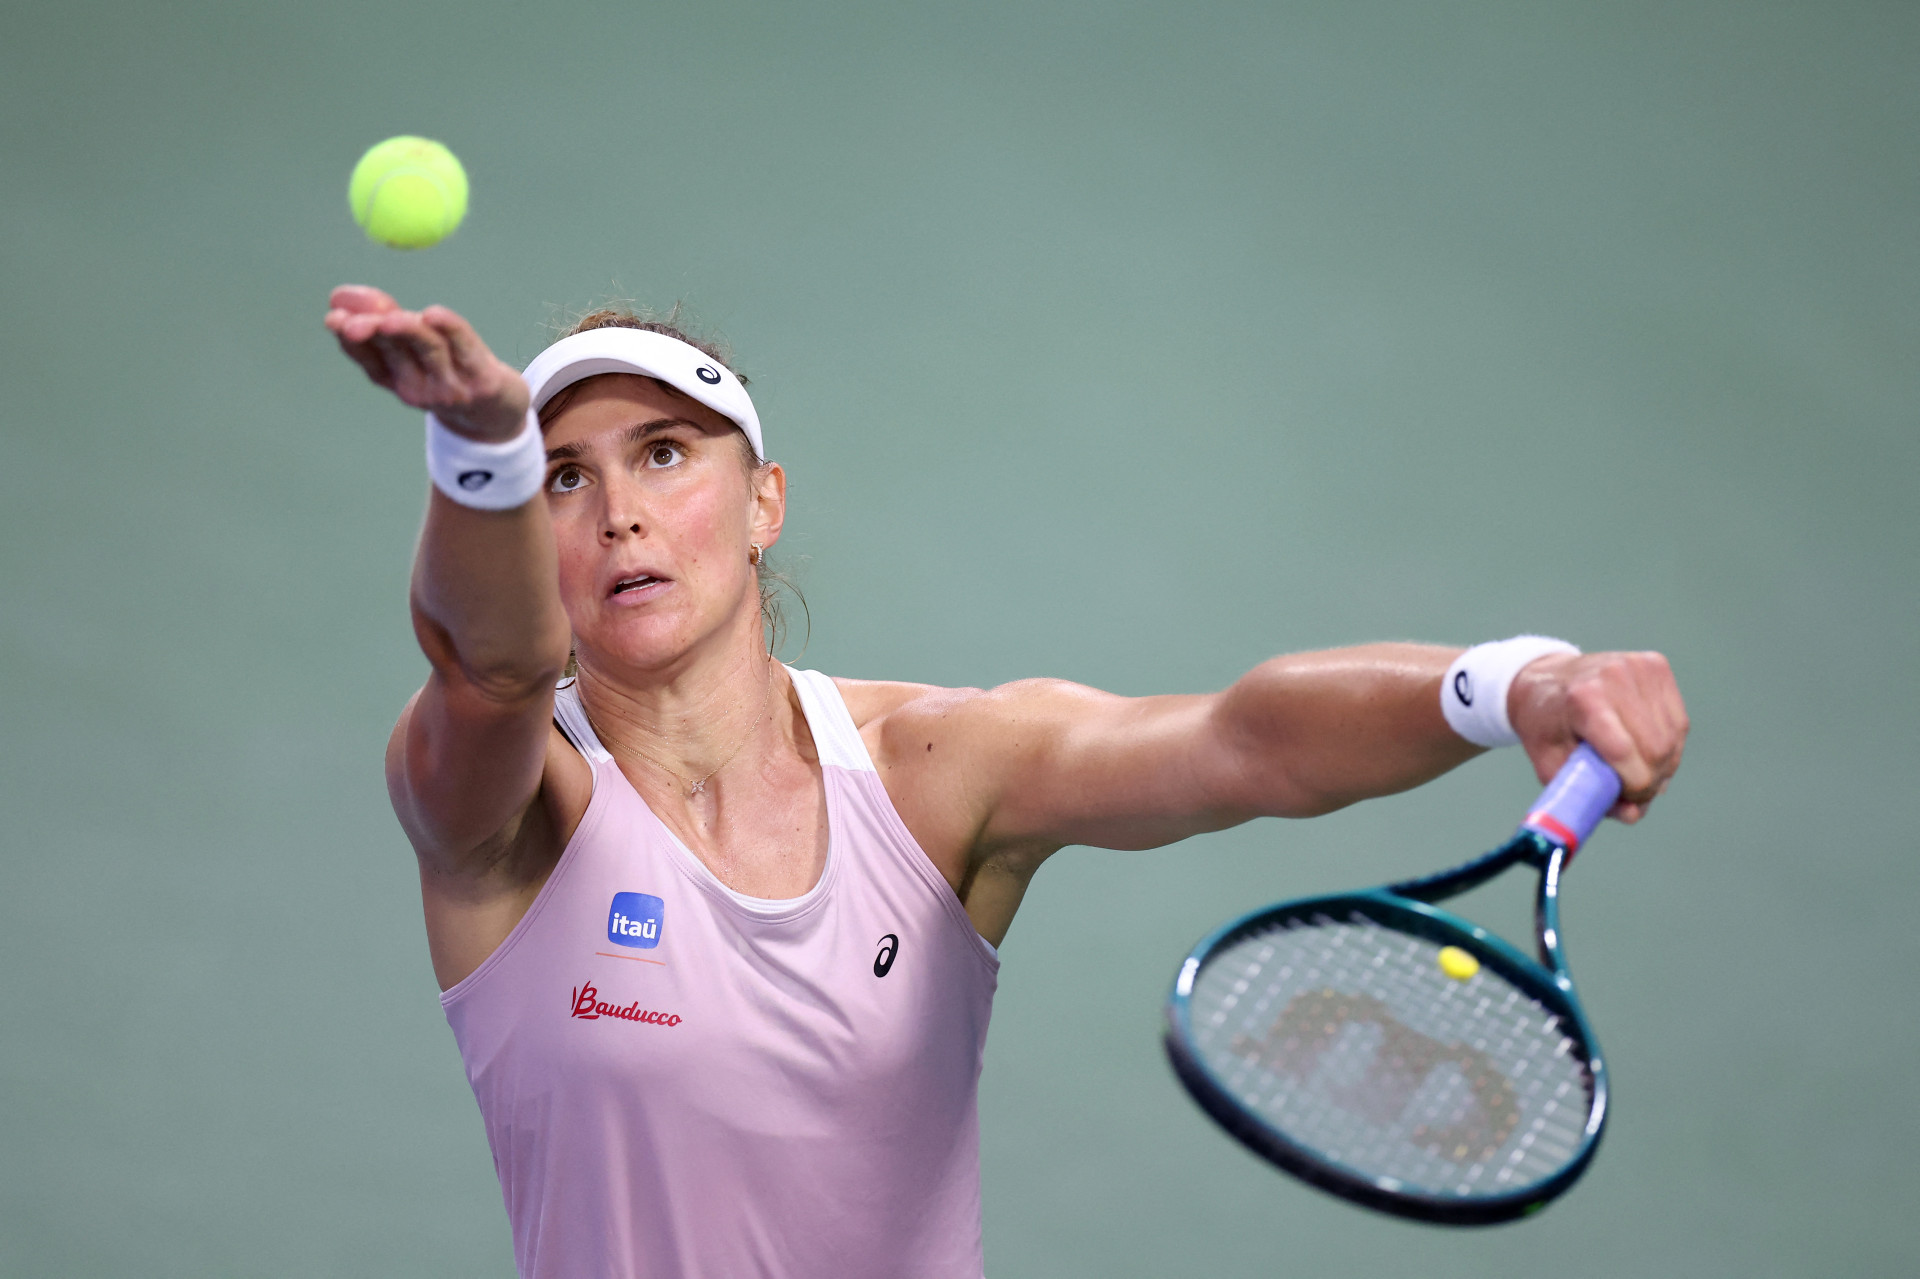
(1323, 1035)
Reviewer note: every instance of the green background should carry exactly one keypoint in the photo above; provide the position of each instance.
(1126, 343)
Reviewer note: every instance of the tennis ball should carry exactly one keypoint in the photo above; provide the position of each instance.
(408, 192)
(1457, 963)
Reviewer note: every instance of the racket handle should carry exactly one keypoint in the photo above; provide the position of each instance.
(1575, 800)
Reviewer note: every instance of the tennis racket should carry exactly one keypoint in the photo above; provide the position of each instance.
(1394, 1054)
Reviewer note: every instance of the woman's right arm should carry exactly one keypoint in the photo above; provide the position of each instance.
(469, 756)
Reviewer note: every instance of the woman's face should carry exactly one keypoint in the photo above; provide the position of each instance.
(654, 515)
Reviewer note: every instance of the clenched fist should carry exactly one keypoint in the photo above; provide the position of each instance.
(1625, 705)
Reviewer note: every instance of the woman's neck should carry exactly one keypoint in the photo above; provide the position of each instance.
(689, 722)
(720, 750)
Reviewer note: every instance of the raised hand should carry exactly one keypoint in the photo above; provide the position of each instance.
(431, 359)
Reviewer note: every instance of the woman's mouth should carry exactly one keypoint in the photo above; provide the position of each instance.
(631, 592)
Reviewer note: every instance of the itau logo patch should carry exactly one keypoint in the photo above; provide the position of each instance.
(635, 919)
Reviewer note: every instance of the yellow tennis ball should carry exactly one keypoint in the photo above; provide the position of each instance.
(408, 192)
(1457, 963)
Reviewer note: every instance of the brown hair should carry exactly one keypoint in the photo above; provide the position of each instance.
(772, 580)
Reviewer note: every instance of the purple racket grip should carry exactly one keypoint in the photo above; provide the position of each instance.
(1575, 800)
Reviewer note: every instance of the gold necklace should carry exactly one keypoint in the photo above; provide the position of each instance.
(695, 788)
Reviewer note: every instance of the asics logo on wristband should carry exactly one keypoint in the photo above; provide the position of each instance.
(1473, 695)
(488, 475)
(710, 376)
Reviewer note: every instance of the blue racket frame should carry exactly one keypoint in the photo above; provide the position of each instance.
(1561, 819)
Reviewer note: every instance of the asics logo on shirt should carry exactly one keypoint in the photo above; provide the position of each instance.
(889, 947)
(635, 920)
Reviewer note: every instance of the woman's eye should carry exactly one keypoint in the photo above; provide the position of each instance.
(664, 454)
(566, 480)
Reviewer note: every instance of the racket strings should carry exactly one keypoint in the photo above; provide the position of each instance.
(1346, 1036)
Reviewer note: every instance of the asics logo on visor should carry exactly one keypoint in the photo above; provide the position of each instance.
(710, 376)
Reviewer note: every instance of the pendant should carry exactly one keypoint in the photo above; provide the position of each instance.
(697, 787)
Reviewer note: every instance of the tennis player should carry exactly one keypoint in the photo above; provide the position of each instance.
(716, 936)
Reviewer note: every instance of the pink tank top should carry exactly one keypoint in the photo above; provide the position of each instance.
(681, 1081)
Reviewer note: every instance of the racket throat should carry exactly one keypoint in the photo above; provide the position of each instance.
(1546, 916)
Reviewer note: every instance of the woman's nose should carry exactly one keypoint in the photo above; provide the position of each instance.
(620, 517)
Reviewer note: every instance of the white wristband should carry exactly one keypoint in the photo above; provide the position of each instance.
(1473, 697)
(487, 477)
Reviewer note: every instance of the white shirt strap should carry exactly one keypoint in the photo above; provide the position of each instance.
(835, 736)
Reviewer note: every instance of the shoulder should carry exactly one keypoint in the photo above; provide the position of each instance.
(946, 755)
(898, 719)
(869, 700)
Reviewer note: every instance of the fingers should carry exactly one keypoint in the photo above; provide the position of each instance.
(1625, 705)
(366, 326)
(394, 347)
(421, 366)
(430, 359)
(1651, 709)
(1548, 757)
(360, 298)
(370, 360)
(1536, 706)
(1628, 707)
(422, 345)
(498, 392)
(1598, 722)
(470, 354)
(1663, 692)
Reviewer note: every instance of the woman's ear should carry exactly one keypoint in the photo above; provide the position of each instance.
(769, 503)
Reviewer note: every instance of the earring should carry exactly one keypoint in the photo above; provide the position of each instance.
(755, 554)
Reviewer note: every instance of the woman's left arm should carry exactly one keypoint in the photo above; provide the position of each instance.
(1045, 763)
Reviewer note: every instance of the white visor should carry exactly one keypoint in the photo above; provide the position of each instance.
(616, 350)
